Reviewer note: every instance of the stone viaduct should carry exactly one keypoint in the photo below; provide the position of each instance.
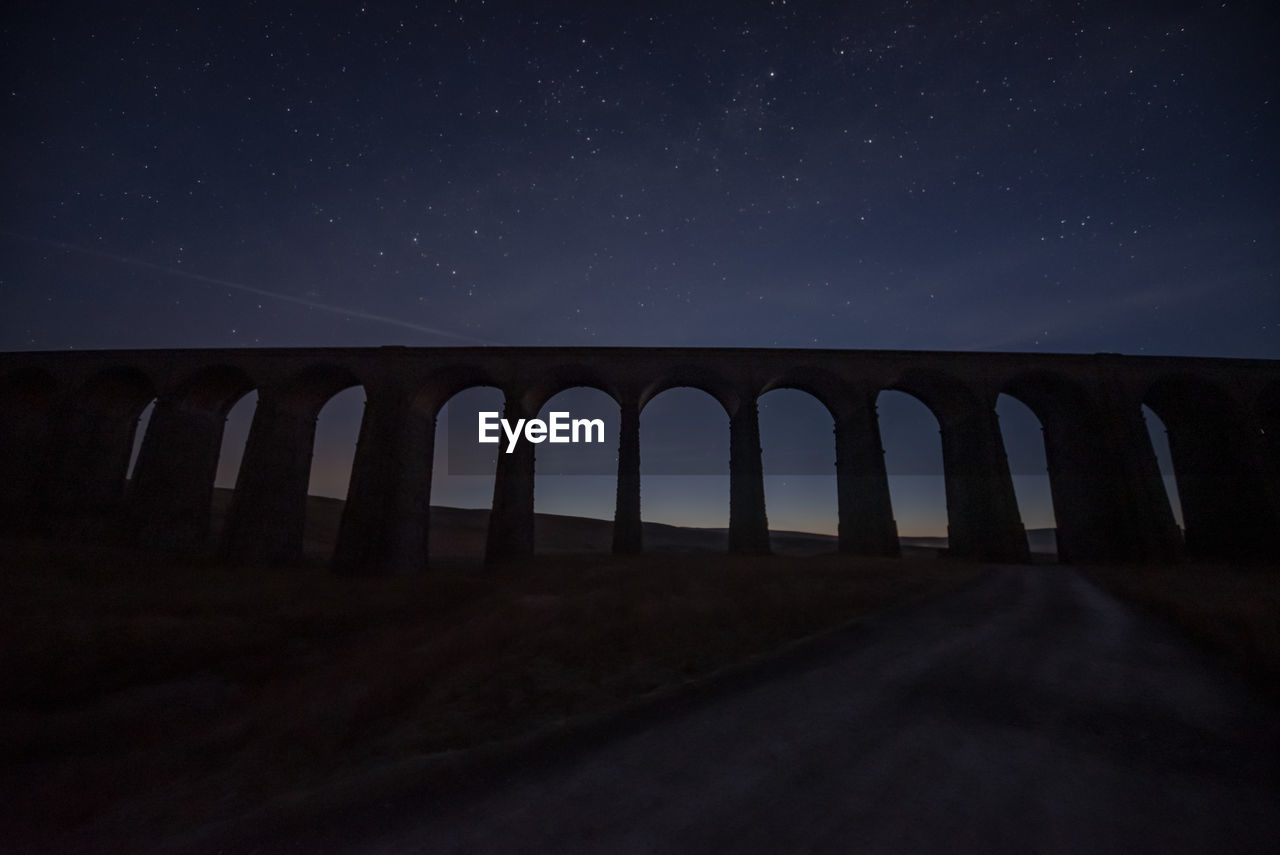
(67, 422)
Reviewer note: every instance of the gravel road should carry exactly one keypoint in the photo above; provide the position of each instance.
(1027, 712)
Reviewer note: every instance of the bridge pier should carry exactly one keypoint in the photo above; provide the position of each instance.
(1265, 428)
(268, 511)
(89, 448)
(866, 524)
(1225, 505)
(386, 518)
(982, 512)
(1263, 460)
(510, 533)
(1141, 527)
(1086, 523)
(172, 493)
(627, 529)
(748, 524)
(26, 405)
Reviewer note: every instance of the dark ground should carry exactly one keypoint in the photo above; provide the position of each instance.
(1029, 712)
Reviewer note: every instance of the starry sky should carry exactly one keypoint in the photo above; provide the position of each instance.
(1033, 176)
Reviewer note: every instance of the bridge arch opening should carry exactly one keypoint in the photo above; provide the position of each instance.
(798, 448)
(175, 460)
(1023, 436)
(684, 469)
(462, 478)
(95, 435)
(27, 399)
(909, 431)
(1218, 468)
(1089, 502)
(981, 510)
(1269, 418)
(1268, 410)
(1159, 435)
(578, 479)
(268, 520)
(337, 429)
(235, 436)
(139, 433)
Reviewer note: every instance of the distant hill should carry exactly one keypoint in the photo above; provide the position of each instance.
(1040, 540)
(459, 533)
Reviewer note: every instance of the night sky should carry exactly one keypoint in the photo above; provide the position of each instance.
(1036, 176)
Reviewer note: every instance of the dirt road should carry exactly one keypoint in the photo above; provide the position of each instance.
(1029, 712)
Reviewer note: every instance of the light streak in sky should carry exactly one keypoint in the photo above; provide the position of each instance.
(250, 289)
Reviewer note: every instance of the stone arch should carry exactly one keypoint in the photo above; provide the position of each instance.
(27, 399)
(309, 389)
(801, 490)
(1217, 466)
(91, 444)
(708, 380)
(831, 390)
(1158, 436)
(1087, 524)
(1225, 415)
(472, 478)
(907, 438)
(748, 528)
(442, 384)
(228, 396)
(864, 512)
(434, 393)
(267, 519)
(1267, 409)
(25, 390)
(691, 421)
(982, 510)
(1055, 399)
(949, 398)
(1022, 435)
(332, 393)
(172, 496)
(338, 431)
(577, 480)
(561, 378)
(1185, 398)
(556, 380)
(213, 388)
(387, 520)
(461, 421)
(120, 390)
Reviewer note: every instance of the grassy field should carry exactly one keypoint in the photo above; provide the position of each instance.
(141, 697)
(1234, 611)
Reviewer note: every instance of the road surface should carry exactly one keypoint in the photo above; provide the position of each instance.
(1028, 712)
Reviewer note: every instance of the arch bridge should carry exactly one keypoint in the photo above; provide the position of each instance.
(67, 422)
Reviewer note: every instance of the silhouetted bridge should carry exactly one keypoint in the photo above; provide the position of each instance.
(67, 422)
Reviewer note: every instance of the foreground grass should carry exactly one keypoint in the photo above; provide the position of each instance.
(1234, 611)
(140, 698)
